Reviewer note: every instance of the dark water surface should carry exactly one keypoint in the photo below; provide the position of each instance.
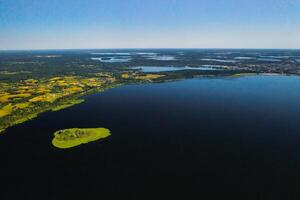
(227, 138)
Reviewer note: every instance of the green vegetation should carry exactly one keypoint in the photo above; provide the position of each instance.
(35, 82)
(39, 81)
(68, 104)
(68, 138)
(26, 99)
(237, 75)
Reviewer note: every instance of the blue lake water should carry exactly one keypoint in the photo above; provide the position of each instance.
(160, 57)
(170, 68)
(119, 59)
(244, 58)
(222, 137)
(219, 60)
(268, 59)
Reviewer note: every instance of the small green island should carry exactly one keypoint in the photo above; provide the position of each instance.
(72, 137)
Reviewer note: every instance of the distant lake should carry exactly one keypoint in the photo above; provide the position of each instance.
(244, 58)
(119, 59)
(230, 137)
(218, 60)
(160, 57)
(268, 59)
(165, 69)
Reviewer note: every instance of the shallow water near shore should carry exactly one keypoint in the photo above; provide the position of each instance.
(182, 139)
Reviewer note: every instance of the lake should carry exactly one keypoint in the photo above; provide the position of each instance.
(222, 137)
(171, 68)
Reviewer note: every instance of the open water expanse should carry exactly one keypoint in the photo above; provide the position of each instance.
(221, 137)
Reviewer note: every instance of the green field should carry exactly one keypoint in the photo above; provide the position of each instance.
(68, 138)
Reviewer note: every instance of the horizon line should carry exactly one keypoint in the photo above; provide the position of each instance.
(145, 48)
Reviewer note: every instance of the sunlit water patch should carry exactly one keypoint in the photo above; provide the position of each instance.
(275, 57)
(113, 59)
(218, 60)
(145, 53)
(112, 53)
(243, 58)
(268, 59)
(160, 57)
(48, 56)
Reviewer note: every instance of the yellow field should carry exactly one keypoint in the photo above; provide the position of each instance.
(55, 78)
(3, 113)
(242, 74)
(92, 82)
(22, 105)
(6, 110)
(24, 87)
(72, 90)
(149, 76)
(6, 96)
(45, 98)
(42, 90)
(21, 91)
(25, 99)
(125, 76)
(31, 81)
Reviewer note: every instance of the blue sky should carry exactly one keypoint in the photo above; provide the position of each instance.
(59, 24)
